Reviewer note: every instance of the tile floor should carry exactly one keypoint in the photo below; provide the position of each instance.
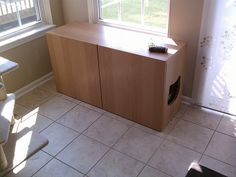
(85, 141)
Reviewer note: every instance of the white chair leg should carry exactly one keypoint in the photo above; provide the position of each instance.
(3, 159)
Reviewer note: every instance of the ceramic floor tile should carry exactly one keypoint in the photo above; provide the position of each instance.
(31, 166)
(49, 86)
(228, 125)
(69, 98)
(34, 98)
(35, 122)
(119, 118)
(58, 137)
(190, 135)
(182, 110)
(20, 111)
(161, 134)
(174, 159)
(151, 172)
(106, 130)
(206, 118)
(223, 148)
(56, 168)
(92, 107)
(56, 107)
(115, 164)
(79, 118)
(82, 153)
(218, 166)
(138, 144)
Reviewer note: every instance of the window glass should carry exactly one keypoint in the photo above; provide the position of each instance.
(17, 13)
(149, 14)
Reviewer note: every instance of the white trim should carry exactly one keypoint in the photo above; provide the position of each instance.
(45, 7)
(24, 37)
(22, 91)
(186, 99)
(92, 11)
(93, 14)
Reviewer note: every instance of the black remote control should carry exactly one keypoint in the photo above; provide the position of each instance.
(158, 49)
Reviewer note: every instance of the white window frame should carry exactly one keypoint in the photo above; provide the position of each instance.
(26, 33)
(93, 14)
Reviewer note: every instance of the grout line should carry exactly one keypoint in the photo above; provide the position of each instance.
(110, 148)
(130, 126)
(42, 165)
(69, 166)
(211, 138)
(220, 161)
(141, 171)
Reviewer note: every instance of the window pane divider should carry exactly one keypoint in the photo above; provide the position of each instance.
(18, 14)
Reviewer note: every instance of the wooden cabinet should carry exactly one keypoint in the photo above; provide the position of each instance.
(75, 67)
(113, 69)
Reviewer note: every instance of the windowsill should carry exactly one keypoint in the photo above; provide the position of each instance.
(130, 28)
(23, 38)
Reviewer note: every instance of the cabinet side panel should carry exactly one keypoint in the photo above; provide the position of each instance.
(174, 70)
(132, 86)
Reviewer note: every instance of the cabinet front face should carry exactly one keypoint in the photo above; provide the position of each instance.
(75, 67)
(132, 86)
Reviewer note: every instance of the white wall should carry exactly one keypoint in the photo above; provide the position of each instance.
(75, 10)
(185, 22)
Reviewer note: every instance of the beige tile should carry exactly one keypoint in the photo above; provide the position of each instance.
(83, 153)
(56, 168)
(151, 172)
(32, 165)
(218, 166)
(190, 135)
(223, 148)
(92, 107)
(49, 86)
(79, 118)
(106, 130)
(161, 134)
(182, 110)
(228, 125)
(55, 107)
(174, 159)
(58, 136)
(20, 111)
(35, 122)
(138, 144)
(204, 117)
(115, 164)
(119, 118)
(69, 98)
(34, 98)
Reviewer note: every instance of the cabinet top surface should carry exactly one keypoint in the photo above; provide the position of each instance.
(118, 39)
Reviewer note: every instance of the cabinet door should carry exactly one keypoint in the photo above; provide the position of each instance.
(132, 86)
(75, 67)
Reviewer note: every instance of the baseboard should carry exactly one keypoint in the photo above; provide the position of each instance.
(187, 100)
(22, 91)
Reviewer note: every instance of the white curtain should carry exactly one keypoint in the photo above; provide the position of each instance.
(215, 76)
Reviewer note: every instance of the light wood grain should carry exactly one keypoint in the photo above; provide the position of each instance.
(113, 69)
(119, 39)
(75, 66)
(132, 86)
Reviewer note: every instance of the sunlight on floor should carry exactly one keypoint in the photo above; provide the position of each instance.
(24, 140)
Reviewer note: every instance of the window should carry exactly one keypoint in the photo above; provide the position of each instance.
(145, 14)
(16, 15)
